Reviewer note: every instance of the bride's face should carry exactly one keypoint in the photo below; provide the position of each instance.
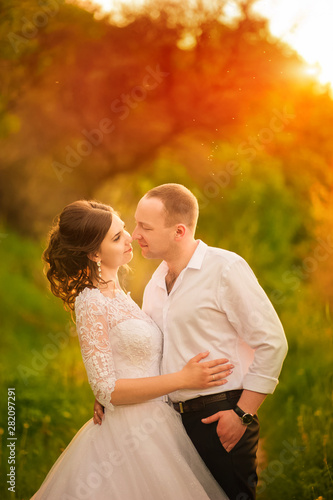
(116, 248)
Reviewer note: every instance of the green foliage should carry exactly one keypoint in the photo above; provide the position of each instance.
(40, 358)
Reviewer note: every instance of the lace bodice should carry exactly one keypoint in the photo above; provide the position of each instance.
(117, 340)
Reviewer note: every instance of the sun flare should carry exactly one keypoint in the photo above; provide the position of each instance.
(306, 26)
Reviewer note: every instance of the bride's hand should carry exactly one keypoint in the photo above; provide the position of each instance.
(98, 413)
(202, 375)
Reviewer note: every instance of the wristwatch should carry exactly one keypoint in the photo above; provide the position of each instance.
(246, 418)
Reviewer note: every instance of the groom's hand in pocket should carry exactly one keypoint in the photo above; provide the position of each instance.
(98, 413)
(229, 428)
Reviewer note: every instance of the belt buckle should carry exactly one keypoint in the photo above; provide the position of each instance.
(181, 408)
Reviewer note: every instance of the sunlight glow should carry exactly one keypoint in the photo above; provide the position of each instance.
(306, 25)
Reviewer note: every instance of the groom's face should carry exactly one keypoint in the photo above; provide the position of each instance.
(154, 238)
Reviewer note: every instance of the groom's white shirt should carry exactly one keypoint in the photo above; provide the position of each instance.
(217, 304)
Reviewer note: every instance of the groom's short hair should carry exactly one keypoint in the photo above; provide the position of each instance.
(181, 206)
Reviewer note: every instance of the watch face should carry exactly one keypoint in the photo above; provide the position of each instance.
(247, 418)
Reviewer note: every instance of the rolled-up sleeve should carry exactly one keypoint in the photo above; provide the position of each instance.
(255, 320)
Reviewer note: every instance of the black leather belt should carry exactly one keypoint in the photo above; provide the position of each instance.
(197, 404)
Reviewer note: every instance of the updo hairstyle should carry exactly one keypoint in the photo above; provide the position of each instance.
(78, 231)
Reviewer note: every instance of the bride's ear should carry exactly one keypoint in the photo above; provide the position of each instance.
(93, 256)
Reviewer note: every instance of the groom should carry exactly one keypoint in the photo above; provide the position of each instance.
(206, 298)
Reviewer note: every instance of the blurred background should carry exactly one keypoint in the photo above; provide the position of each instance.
(232, 99)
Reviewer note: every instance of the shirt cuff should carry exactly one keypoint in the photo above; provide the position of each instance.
(260, 383)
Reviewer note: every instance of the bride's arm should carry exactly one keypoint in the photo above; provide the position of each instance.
(129, 391)
(195, 375)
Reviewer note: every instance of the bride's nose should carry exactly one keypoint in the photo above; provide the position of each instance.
(129, 237)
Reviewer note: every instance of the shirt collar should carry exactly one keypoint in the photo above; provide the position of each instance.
(194, 263)
(198, 256)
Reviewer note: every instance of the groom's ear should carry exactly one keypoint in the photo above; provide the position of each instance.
(180, 231)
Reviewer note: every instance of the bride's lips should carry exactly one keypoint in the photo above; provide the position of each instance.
(129, 250)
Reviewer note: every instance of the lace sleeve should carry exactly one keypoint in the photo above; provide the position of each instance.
(91, 324)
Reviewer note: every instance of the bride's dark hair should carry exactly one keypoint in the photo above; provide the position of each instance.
(78, 231)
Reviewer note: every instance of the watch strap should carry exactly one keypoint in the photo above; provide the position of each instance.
(246, 418)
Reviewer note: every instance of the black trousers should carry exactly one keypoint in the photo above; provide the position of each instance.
(234, 471)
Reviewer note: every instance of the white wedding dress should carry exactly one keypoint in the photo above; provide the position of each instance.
(141, 451)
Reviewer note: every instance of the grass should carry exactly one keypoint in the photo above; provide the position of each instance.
(40, 358)
(297, 420)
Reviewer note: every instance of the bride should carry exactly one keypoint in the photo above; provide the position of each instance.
(141, 452)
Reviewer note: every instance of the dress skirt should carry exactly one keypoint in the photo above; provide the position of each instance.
(140, 452)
